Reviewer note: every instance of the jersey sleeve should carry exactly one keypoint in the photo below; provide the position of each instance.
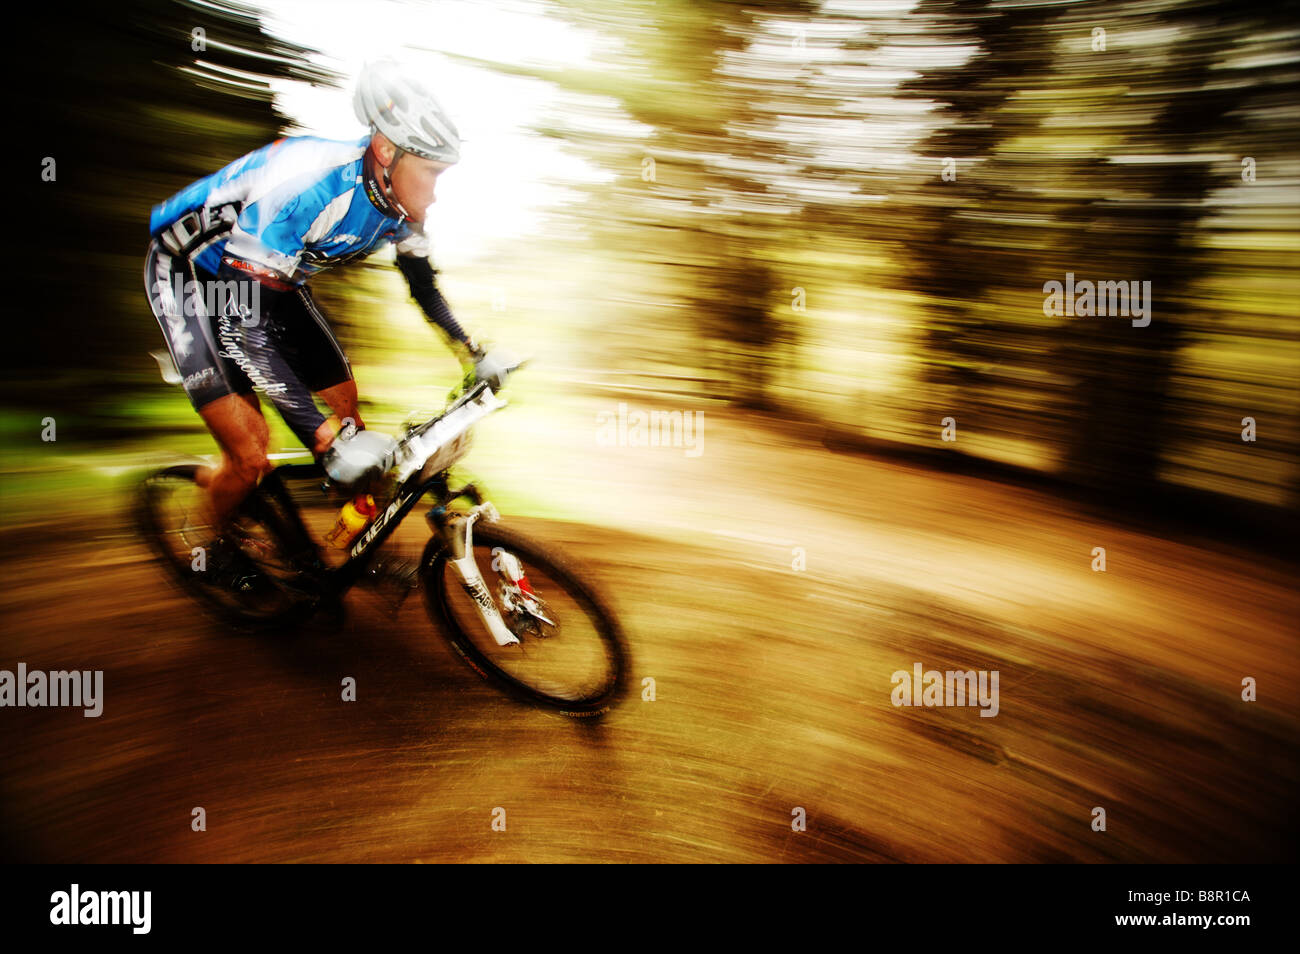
(419, 272)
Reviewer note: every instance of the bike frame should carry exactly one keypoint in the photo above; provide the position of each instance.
(307, 553)
(420, 449)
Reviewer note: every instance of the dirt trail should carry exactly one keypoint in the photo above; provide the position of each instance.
(1118, 690)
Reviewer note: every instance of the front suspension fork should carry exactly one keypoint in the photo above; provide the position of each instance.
(457, 532)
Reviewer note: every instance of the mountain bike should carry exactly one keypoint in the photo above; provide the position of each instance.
(515, 610)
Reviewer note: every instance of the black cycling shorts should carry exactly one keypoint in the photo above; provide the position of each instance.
(298, 331)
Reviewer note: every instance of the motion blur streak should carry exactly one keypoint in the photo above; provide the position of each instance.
(822, 234)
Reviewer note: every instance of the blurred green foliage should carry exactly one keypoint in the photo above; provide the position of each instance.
(845, 212)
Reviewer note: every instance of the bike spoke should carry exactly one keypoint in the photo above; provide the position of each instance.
(568, 659)
(262, 589)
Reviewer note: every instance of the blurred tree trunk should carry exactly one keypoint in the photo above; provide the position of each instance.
(124, 104)
(1124, 374)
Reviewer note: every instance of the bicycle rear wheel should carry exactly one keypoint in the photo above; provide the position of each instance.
(263, 587)
(571, 655)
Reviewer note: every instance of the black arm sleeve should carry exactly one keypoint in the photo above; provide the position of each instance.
(419, 275)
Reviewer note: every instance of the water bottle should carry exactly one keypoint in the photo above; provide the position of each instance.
(352, 520)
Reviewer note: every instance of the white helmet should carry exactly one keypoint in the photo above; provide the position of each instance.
(396, 104)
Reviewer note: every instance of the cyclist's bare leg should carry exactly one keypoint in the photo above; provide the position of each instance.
(342, 399)
(243, 435)
(241, 431)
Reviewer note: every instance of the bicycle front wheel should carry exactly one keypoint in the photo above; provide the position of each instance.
(571, 655)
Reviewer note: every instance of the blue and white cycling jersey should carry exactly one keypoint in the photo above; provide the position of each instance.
(269, 221)
(295, 206)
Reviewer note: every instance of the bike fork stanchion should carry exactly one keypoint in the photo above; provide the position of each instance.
(460, 545)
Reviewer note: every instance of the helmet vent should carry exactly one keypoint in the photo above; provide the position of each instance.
(400, 106)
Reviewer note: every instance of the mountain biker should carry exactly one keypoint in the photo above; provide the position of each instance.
(252, 234)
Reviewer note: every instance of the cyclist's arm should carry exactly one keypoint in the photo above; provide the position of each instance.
(419, 272)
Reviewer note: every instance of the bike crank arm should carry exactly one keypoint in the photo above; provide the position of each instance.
(462, 558)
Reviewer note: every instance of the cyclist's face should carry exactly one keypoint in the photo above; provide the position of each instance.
(414, 179)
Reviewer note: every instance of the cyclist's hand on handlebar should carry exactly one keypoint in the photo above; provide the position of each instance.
(493, 367)
(355, 455)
